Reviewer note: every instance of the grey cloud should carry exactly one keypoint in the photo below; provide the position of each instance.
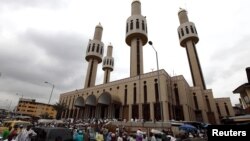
(63, 46)
(64, 65)
(16, 4)
(230, 61)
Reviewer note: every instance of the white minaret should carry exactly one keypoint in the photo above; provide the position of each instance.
(188, 38)
(136, 38)
(108, 64)
(94, 54)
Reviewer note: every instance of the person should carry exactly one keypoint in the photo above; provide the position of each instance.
(75, 134)
(99, 136)
(139, 135)
(13, 133)
(108, 138)
(79, 136)
(26, 134)
(120, 138)
(152, 136)
(6, 133)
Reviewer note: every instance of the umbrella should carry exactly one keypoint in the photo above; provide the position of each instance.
(188, 128)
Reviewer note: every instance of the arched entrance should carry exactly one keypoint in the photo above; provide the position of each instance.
(108, 106)
(104, 101)
(79, 103)
(90, 107)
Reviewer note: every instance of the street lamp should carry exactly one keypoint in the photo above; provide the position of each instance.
(158, 75)
(51, 90)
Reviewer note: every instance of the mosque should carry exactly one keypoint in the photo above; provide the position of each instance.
(152, 96)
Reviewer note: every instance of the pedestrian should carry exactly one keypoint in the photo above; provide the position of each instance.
(6, 133)
(26, 134)
(13, 133)
(79, 136)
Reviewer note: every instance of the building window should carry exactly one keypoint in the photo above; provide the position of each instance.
(142, 25)
(127, 27)
(93, 47)
(208, 104)
(145, 92)
(137, 23)
(134, 93)
(125, 96)
(89, 47)
(182, 32)
(98, 46)
(179, 35)
(192, 30)
(218, 109)
(138, 56)
(101, 50)
(195, 102)
(156, 91)
(187, 31)
(131, 24)
(226, 107)
(176, 92)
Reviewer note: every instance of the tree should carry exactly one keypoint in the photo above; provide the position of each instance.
(45, 115)
(59, 107)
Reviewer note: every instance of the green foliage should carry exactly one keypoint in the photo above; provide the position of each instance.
(59, 107)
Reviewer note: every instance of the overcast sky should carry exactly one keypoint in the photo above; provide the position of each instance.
(46, 40)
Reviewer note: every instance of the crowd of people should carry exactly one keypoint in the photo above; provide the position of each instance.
(18, 133)
(98, 130)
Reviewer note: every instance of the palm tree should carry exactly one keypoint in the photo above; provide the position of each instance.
(59, 107)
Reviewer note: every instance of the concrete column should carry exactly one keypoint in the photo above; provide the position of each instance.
(77, 113)
(165, 111)
(140, 111)
(204, 116)
(186, 112)
(152, 112)
(129, 111)
(86, 115)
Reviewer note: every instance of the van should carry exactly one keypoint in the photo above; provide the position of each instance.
(51, 133)
(12, 123)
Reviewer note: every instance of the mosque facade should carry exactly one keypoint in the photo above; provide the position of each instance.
(152, 96)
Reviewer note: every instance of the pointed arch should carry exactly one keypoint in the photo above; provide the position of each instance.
(79, 102)
(104, 98)
(107, 99)
(91, 100)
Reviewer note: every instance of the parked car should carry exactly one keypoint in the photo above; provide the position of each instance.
(51, 133)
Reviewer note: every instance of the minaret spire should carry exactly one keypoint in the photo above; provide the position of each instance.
(188, 38)
(94, 54)
(108, 64)
(136, 38)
